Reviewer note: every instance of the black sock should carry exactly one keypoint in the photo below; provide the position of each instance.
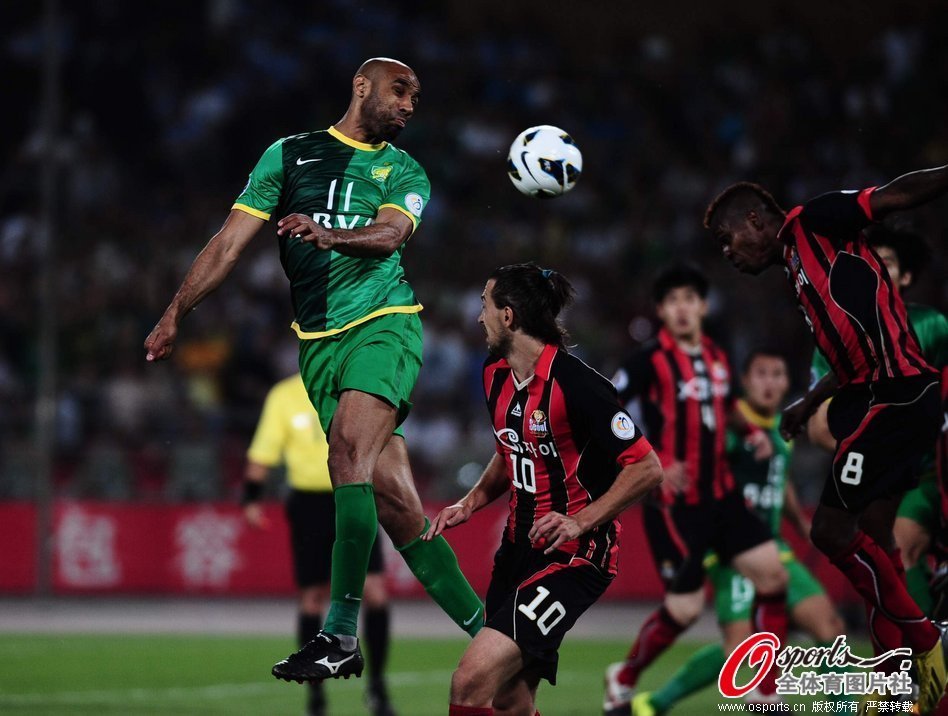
(376, 641)
(307, 627)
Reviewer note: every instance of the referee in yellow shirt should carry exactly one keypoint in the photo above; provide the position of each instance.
(289, 434)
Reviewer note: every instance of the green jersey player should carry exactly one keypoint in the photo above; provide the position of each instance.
(917, 520)
(349, 202)
(770, 494)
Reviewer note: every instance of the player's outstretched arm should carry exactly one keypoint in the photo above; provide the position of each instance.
(491, 485)
(380, 239)
(633, 483)
(908, 191)
(207, 272)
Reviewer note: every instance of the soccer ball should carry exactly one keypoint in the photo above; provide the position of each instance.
(544, 162)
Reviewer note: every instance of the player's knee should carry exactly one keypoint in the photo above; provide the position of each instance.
(344, 454)
(912, 540)
(831, 627)
(468, 687)
(685, 608)
(829, 536)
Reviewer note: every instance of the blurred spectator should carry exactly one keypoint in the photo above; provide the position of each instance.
(163, 121)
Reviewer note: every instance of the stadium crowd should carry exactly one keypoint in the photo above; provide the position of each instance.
(161, 128)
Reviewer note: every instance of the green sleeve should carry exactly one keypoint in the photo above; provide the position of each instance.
(818, 367)
(734, 443)
(931, 328)
(410, 192)
(262, 193)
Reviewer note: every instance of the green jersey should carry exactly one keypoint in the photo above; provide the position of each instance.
(341, 184)
(763, 482)
(931, 330)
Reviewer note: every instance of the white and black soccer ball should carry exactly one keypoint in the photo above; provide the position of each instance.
(544, 162)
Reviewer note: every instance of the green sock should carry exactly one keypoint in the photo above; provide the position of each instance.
(700, 670)
(917, 579)
(356, 528)
(436, 567)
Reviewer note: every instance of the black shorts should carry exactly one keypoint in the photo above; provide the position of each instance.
(882, 431)
(680, 536)
(312, 518)
(535, 599)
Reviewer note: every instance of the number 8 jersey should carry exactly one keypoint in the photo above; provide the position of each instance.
(341, 184)
(564, 437)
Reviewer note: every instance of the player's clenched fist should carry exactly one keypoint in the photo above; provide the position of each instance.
(450, 516)
(302, 227)
(160, 342)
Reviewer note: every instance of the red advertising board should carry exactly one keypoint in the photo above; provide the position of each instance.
(127, 548)
(17, 548)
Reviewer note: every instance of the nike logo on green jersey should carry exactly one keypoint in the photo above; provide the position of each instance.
(300, 160)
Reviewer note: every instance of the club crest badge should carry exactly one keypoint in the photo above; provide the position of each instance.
(538, 424)
(380, 173)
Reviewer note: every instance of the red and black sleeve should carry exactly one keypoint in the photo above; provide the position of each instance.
(838, 215)
(593, 406)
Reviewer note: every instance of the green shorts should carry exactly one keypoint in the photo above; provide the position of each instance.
(734, 595)
(921, 504)
(381, 357)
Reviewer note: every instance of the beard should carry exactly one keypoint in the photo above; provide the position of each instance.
(377, 122)
(500, 348)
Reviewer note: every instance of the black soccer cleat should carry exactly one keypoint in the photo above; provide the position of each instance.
(322, 658)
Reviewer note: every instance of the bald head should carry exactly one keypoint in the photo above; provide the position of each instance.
(384, 95)
(376, 68)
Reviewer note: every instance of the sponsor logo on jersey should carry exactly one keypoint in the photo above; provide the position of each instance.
(701, 389)
(517, 411)
(414, 203)
(622, 426)
(380, 172)
(537, 424)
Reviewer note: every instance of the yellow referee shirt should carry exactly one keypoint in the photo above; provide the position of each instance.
(289, 433)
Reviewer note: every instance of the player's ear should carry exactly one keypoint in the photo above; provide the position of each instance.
(905, 279)
(508, 317)
(360, 86)
(754, 219)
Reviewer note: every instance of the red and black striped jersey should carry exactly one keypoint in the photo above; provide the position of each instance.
(563, 436)
(685, 400)
(856, 316)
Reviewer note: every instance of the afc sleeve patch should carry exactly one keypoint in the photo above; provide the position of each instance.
(622, 426)
(415, 203)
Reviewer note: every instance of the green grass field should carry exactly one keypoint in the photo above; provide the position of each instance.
(85, 675)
